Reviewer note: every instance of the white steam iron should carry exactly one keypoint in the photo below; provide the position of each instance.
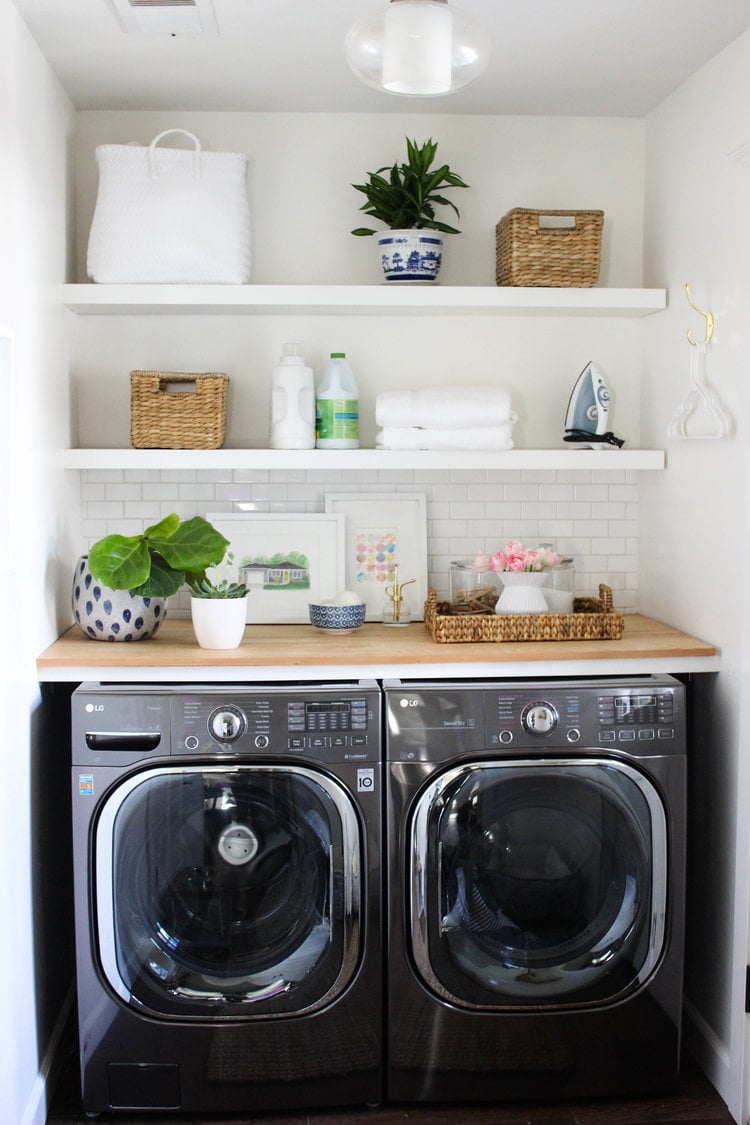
(587, 416)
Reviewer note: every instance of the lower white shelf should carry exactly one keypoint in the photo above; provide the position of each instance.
(368, 460)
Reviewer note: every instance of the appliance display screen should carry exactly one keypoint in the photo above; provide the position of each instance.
(317, 708)
(634, 707)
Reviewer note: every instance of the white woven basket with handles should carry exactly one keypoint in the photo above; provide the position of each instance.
(170, 215)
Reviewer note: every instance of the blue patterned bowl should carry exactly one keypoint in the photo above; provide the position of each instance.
(337, 618)
(113, 615)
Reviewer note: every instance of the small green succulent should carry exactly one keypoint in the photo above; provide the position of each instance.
(203, 588)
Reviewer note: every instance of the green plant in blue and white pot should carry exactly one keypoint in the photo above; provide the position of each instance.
(120, 588)
(405, 200)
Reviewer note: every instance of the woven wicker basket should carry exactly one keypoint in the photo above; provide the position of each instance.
(164, 419)
(593, 619)
(528, 253)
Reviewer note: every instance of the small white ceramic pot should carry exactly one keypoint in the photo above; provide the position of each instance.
(218, 622)
(410, 255)
(113, 615)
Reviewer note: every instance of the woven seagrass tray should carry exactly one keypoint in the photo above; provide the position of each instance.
(592, 619)
(530, 254)
(190, 419)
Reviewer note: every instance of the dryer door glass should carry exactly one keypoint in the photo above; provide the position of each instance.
(538, 883)
(228, 891)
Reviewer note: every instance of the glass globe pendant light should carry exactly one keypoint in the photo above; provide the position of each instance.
(418, 48)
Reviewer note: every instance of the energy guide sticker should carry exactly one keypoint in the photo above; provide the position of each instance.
(85, 785)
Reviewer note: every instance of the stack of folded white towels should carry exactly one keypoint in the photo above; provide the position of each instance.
(478, 417)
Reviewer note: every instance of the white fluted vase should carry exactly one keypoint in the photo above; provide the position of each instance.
(522, 592)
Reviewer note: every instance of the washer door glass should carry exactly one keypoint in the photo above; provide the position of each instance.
(538, 883)
(228, 891)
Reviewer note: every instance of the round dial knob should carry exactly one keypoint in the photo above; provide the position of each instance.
(539, 718)
(227, 724)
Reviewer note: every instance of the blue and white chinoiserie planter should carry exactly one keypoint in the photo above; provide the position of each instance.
(113, 615)
(410, 255)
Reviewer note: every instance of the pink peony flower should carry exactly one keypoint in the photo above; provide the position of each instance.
(481, 562)
(498, 561)
(517, 557)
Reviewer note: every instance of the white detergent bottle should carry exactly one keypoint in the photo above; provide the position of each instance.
(292, 402)
(337, 408)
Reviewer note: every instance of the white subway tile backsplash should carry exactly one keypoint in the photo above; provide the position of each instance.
(591, 516)
(143, 510)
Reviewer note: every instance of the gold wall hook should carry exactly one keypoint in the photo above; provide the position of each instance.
(709, 319)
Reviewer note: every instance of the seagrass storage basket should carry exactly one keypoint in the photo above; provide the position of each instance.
(556, 248)
(592, 619)
(194, 418)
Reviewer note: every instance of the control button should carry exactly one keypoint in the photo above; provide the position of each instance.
(646, 735)
(506, 736)
(359, 740)
(666, 733)
(296, 743)
(539, 718)
(261, 741)
(227, 724)
(626, 735)
(573, 735)
(606, 736)
(191, 742)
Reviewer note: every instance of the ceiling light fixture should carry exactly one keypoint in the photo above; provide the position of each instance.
(418, 48)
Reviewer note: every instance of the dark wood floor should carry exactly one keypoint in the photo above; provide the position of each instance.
(694, 1100)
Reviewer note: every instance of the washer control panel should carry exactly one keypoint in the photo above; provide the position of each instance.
(327, 725)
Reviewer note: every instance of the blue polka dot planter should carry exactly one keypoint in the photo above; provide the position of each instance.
(113, 615)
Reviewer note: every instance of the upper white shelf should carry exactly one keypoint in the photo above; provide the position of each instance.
(369, 460)
(130, 300)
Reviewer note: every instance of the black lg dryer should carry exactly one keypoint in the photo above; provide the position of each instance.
(536, 836)
(227, 852)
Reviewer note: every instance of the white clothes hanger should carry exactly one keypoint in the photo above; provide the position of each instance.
(700, 394)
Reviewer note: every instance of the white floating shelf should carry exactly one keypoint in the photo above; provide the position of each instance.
(131, 300)
(369, 460)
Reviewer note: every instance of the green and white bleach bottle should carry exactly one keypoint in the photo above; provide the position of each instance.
(337, 406)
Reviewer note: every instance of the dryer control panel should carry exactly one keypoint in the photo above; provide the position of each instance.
(437, 722)
(615, 715)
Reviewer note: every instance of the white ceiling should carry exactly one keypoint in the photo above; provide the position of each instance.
(582, 57)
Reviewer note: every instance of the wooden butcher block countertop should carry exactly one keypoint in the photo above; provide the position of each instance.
(300, 652)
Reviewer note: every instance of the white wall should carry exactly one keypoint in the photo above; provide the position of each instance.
(301, 167)
(695, 523)
(36, 125)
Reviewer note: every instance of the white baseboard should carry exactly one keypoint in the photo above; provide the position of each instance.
(709, 1052)
(37, 1106)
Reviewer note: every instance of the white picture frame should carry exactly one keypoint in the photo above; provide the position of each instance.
(281, 587)
(383, 527)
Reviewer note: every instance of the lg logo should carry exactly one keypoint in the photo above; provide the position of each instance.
(403, 702)
(94, 707)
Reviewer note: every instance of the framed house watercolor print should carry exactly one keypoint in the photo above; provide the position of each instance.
(287, 559)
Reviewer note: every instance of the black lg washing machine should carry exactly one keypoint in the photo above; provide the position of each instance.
(536, 836)
(228, 890)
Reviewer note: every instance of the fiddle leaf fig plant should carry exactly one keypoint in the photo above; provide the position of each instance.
(156, 563)
(405, 198)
